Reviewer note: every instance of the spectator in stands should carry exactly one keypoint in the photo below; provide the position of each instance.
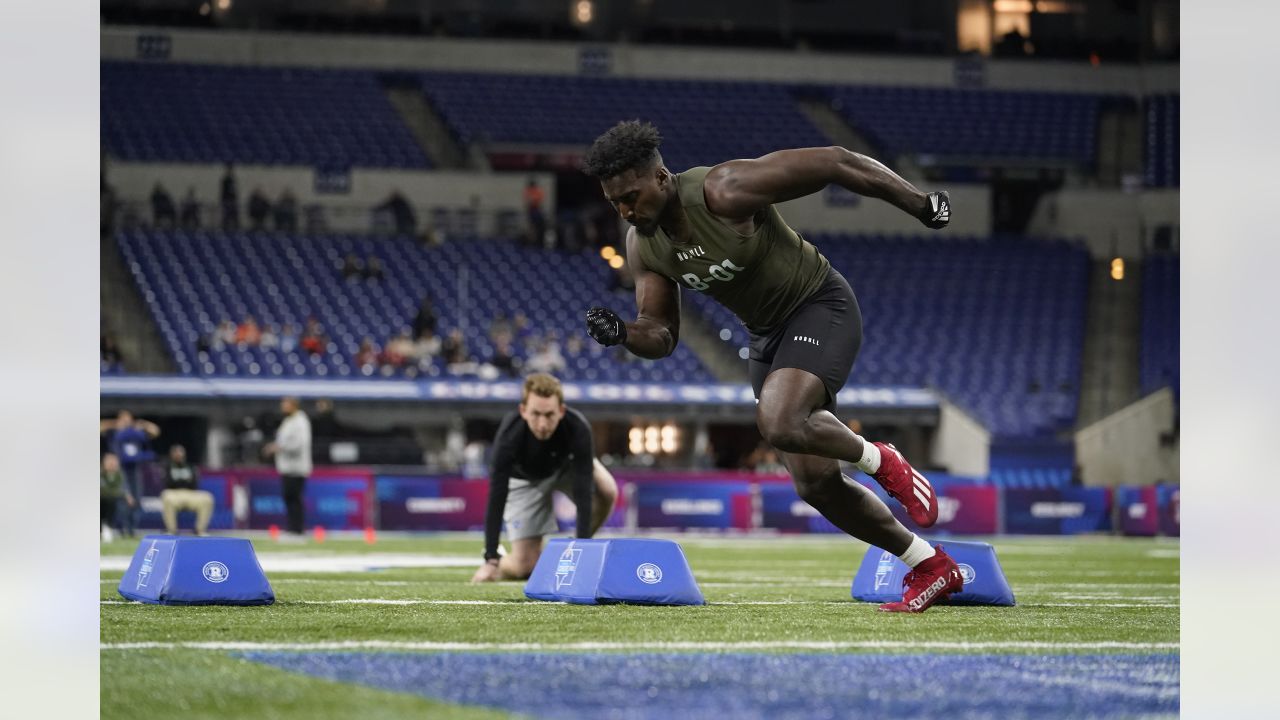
(163, 212)
(230, 200)
(270, 339)
(500, 327)
(457, 357)
(110, 353)
(189, 215)
(113, 492)
(426, 317)
(351, 268)
(406, 223)
(259, 209)
(292, 452)
(770, 464)
(224, 336)
(288, 338)
(373, 268)
(313, 338)
(546, 357)
(574, 348)
(426, 347)
(130, 441)
(537, 220)
(108, 206)
(504, 359)
(398, 350)
(182, 492)
(286, 212)
(248, 333)
(366, 356)
(324, 423)
(522, 330)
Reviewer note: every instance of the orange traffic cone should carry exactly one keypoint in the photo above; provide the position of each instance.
(273, 531)
(370, 535)
(319, 533)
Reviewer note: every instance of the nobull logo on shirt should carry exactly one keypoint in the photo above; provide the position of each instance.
(723, 272)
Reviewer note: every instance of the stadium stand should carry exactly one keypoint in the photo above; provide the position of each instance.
(271, 116)
(1160, 314)
(973, 123)
(566, 110)
(192, 281)
(997, 324)
(1162, 140)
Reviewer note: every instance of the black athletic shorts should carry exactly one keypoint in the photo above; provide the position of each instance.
(822, 337)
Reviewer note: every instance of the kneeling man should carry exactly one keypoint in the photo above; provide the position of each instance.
(182, 492)
(544, 446)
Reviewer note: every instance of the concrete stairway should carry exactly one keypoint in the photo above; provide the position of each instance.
(125, 315)
(429, 129)
(1112, 330)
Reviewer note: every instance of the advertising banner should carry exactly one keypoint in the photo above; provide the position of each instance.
(1064, 511)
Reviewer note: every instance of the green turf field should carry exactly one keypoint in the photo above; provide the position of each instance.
(1079, 595)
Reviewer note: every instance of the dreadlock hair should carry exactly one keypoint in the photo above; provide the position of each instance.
(629, 145)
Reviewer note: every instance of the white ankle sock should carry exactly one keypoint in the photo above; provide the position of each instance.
(917, 552)
(870, 460)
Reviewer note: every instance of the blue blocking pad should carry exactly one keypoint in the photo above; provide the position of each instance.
(170, 570)
(879, 578)
(600, 572)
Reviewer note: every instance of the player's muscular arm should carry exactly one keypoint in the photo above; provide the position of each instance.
(656, 330)
(738, 188)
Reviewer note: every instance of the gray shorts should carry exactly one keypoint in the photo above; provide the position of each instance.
(530, 511)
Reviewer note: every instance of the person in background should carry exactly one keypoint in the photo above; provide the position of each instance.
(288, 338)
(367, 355)
(292, 452)
(182, 492)
(286, 212)
(542, 446)
(537, 220)
(248, 333)
(163, 213)
(351, 268)
(373, 268)
(112, 492)
(189, 215)
(426, 317)
(269, 338)
(130, 441)
(230, 201)
(313, 339)
(259, 209)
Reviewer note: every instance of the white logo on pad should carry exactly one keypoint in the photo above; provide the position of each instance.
(649, 573)
(967, 572)
(216, 572)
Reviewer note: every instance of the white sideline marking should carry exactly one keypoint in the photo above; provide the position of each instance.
(758, 645)
(1104, 605)
(298, 562)
(1164, 553)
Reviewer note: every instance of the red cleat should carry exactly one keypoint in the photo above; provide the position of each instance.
(906, 485)
(931, 581)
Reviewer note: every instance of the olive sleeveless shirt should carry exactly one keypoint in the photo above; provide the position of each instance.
(762, 277)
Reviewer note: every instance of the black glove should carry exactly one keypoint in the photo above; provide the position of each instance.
(937, 210)
(605, 327)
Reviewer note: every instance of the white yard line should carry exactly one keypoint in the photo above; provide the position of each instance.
(421, 601)
(713, 646)
(1102, 605)
(300, 562)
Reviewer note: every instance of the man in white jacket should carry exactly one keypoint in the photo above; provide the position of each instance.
(292, 451)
